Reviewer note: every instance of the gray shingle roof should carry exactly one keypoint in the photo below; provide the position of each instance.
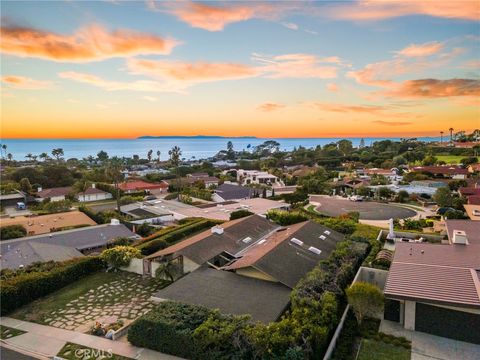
(230, 293)
(233, 192)
(83, 238)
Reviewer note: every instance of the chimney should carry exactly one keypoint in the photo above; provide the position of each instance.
(217, 229)
(460, 237)
(93, 186)
(39, 189)
(114, 222)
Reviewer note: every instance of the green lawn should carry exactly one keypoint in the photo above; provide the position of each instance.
(378, 350)
(451, 159)
(8, 332)
(75, 352)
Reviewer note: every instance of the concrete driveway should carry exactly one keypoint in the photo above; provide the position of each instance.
(431, 347)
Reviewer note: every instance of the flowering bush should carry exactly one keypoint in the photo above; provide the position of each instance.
(119, 256)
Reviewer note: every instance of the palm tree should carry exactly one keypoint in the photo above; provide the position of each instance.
(9, 157)
(451, 135)
(441, 137)
(29, 156)
(149, 155)
(4, 148)
(158, 155)
(113, 171)
(175, 154)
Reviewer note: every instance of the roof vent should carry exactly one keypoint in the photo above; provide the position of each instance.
(114, 222)
(263, 241)
(217, 230)
(322, 237)
(247, 240)
(314, 250)
(326, 232)
(460, 237)
(296, 241)
(476, 212)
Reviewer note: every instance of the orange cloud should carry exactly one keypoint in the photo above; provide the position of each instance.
(372, 110)
(297, 66)
(368, 10)
(267, 107)
(139, 85)
(420, 50)
(392, 123)
(91, 43)
(190, 72)
(22, 82)
(381, 73)
(433, 88)
(332, 87)
(213, 18)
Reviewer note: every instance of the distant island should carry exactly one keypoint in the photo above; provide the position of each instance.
(196, 137)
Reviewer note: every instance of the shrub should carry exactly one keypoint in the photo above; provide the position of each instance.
(145, 229)
(171, 196)
(120, 256)
(285, 218)
(365, 299)
(169, 328)
(28, 286)
(344, 226)
(12, 232)
(174, 236)
(240, 214)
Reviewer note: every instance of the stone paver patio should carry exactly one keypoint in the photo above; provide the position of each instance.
(124, 300)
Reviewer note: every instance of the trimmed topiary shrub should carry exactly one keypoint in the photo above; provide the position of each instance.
(240, 214)
(12, 232)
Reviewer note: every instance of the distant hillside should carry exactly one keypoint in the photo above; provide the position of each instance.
(196, 137)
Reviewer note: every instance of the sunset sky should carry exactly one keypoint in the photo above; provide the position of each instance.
(115, 69)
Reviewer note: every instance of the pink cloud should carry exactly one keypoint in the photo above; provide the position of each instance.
(420, 50)
(368, 10)
(91, 43)
(332, 87)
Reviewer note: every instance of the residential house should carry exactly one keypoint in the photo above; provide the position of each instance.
(140, 185)
(228, 192)
(209, 181)
(11, 200)
(53, 194)
(25, 251)
(470, 228)
(246, 177)
(473, 211)
(390, 174)
(446, 171)
(473, 168)
(93, 194)
(435, 288)
(246, 256)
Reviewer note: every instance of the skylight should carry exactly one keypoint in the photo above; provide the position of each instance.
(327, 232)
(314, 250)
(247, 240)
(296, 241)
(263, 241)
(323, 237)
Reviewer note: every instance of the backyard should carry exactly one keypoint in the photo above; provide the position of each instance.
(114, 297)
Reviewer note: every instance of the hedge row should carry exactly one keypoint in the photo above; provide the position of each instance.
(26, 287)
(182, 223)
(169, 328)
(174, 236)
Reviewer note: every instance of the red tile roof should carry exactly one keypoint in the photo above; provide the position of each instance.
(138, 185)
(52, 192)
(444, 170)
(436, 273)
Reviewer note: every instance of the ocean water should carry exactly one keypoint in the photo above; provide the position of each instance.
(192, 148)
